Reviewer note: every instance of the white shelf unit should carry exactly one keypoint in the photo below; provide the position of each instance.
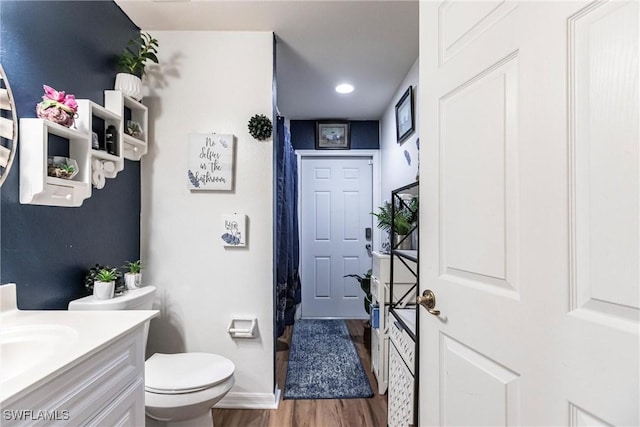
(35, 186)
(93, 165)
(402, 371)
(132, 148)
(380, 293)
(87, 110)
(403, 396)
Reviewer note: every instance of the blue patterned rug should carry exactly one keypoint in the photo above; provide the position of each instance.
(324, 363)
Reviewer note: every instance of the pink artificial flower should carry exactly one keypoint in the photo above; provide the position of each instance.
(70, 101)
(55, 115)
(51, 93)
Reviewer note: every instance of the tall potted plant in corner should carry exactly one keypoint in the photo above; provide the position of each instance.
(133, 277)
(132, 61)
(365, 285)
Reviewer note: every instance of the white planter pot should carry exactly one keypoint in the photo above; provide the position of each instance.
(103, 290)
(129, 84)
(132, 280)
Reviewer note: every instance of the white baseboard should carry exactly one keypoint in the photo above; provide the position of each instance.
(250, 401)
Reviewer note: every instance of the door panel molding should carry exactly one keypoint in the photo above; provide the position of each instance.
(604, 182)
(479, 178)
(486, 388)
(578, 417)
(322, 272)
(458, 28)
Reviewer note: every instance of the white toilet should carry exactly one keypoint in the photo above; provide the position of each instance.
(181, 388)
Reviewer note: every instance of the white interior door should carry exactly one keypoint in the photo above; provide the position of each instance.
(530, 214)
(336, 205)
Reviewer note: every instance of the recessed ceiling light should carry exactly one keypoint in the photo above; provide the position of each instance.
(344, 88)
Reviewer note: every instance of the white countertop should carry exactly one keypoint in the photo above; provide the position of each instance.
(73, 336)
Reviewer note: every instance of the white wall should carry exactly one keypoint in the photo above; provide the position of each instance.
(396, 171)
(210, 82)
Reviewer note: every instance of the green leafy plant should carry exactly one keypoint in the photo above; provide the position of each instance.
(67, 169)
(137, 53)
(403, 220)
(106, 275)
(91, 276)
(365, 285)
(134, 267)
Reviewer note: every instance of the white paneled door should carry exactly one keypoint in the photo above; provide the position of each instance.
(336, 205)
(530, 192)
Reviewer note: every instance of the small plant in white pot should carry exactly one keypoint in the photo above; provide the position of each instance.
(105, 283)
(132, 61)
(133, 277)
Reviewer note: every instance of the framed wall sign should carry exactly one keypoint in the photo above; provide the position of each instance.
(404, 116)
(234, 230)
(332, 135)
(211, 161)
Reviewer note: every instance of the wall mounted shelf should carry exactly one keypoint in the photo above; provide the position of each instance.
(41, 139)
(35, 186)
(133, 148)
(107, 164)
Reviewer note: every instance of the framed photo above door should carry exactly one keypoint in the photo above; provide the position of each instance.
(332, 135)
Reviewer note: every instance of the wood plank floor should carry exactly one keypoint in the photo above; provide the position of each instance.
(370, 412)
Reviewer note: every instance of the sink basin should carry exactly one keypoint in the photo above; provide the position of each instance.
(23, 347)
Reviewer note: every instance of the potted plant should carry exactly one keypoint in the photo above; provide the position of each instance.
(132, 62)
(104, 284)
(133, 277)
(402, 222)
(91, 277)
(365, 285)
(133, 129)
(62, 167)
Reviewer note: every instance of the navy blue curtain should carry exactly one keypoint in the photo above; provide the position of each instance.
(287, 239)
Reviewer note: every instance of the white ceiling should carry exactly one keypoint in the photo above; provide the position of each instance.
(370, 44)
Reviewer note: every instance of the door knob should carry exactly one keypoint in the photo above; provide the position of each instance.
(428, 301)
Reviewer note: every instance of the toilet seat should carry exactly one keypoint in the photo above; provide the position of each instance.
(185, 372)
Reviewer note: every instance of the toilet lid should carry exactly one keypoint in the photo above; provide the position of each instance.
(185, 372)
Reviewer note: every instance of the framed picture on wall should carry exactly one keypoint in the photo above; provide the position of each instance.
(332, 135)
(404, 116)
(211, 162)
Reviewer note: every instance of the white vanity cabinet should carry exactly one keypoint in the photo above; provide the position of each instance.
(380, 278)
(104, 389)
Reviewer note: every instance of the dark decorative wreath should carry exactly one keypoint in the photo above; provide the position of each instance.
(260, 127)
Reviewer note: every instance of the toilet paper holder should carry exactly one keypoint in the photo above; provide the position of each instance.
(245, 327)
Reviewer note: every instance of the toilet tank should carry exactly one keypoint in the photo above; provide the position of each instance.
(135, 299)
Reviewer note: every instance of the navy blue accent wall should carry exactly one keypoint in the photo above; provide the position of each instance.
(365, 134)
(71, 46)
